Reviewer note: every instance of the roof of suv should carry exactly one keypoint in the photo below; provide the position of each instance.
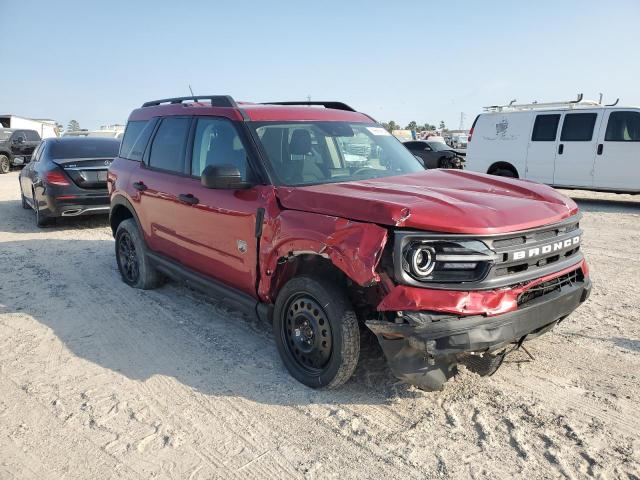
(225, 106)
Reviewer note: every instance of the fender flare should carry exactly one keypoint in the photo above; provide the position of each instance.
(122, 201)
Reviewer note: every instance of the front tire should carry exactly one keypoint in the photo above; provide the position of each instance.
(316, 332)
(134, 266)
(5, 164)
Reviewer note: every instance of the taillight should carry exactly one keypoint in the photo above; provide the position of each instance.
(473, 125)
(56, 178)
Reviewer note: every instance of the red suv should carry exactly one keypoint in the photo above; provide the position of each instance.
(313, 217)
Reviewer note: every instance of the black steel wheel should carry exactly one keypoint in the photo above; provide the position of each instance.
(5, 164)
(316, 331)
(135, 268)
(307, 333)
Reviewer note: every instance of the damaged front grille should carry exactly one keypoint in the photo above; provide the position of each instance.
(544, 288)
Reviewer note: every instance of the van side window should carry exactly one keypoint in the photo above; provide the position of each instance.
(217, 143)
(545, 128)
(168, 145)
(578, 127)
(623, 127)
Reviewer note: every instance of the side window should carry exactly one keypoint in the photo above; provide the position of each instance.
(130, 138)
(545, 128)
(168, 145)
(623, 127)
(578, 127)
(32, 136)
(217, 143)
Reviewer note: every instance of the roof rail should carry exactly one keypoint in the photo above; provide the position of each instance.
(216, 100)
(532, 106)
(330, 104)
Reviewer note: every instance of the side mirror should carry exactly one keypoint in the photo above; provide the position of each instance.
(223, 177)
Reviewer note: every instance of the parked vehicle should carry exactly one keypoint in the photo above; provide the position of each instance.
(46, 128)
(16, 147)
(68, 178)
(459, 141)
(433, 154)
(578, 144)
(257, 204)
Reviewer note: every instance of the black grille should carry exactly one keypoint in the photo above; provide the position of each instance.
(568, 279)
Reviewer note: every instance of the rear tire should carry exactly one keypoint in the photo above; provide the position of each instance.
(316, 332)
(134, 266)
(5, 164)
(42, 220)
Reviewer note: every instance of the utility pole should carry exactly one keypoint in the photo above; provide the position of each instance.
(462, 119)
(308, 98)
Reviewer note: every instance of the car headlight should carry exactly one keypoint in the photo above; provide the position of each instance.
(443, 260)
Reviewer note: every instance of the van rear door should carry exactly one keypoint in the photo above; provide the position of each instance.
(577, 149)
(541, 154)
(617, 164)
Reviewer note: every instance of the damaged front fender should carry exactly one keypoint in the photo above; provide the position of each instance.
(353, 247)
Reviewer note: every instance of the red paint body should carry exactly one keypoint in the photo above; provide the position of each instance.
(347, 223)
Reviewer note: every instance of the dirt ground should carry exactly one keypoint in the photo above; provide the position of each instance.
(101, 381)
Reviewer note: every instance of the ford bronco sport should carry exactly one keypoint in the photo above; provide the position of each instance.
(313, 217)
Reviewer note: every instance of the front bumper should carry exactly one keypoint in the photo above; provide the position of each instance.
(424, 352)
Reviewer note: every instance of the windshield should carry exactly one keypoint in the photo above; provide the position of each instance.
(438, 146)
(4, 134)
(305, 153)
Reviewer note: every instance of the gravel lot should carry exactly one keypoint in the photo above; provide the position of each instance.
(98, 380)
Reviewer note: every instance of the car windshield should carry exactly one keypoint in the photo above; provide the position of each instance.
(306, 153)
(5, 135)
(438, 146)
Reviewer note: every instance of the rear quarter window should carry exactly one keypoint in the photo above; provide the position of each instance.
(135, 139)
(623, 127)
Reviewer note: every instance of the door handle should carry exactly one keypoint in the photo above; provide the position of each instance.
(140, 186)
(560, 149)
(600, 147)
(188, 198)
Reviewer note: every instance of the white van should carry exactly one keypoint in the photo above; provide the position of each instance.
(579, 144)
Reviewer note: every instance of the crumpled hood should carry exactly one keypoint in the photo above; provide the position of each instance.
(454, 201)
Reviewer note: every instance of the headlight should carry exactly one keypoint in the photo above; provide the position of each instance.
(443, 261)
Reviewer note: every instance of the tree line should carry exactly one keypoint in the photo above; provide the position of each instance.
(412, 125)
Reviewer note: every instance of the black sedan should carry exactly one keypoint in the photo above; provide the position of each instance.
(67, 177)
(434, 154)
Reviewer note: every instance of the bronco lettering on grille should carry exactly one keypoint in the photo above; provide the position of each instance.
(545, 249)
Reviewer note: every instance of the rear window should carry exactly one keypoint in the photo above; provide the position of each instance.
(32, 136)
(578, 127)
(84, 148)
(545, 128)
(623, 127)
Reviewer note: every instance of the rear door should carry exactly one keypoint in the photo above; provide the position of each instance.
(160, 183)
(541, 154)
(617, 164)
(577, 149)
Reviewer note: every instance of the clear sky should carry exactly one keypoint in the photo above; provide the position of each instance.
(406, 60)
